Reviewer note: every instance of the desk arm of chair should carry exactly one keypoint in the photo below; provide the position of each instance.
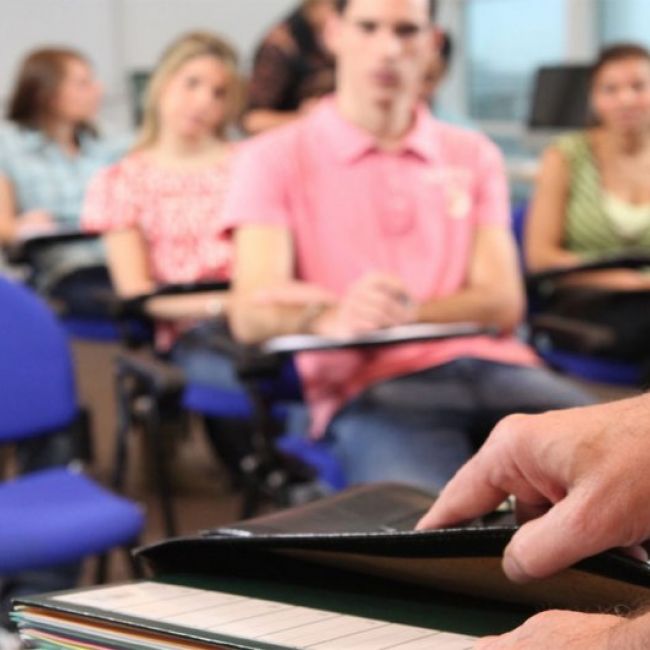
(572, 334)
(536, 281)
(23, 251)
(162, 377)
(135, 307)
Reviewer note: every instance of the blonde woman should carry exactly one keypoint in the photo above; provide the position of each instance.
(159, 208)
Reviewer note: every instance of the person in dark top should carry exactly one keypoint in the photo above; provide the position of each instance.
(292, 67)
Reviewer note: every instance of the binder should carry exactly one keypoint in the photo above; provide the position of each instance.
(369, 530)
(354, 556)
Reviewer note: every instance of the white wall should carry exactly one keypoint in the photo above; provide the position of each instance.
(124, 35)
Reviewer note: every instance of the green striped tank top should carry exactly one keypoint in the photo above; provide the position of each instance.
(589, 228)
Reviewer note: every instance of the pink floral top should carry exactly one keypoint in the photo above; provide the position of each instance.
(178, 214)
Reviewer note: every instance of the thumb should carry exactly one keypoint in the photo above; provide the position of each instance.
(566, 534)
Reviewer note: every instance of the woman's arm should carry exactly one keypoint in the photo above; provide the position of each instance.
(12, 225)
(7, 212)
(546, 222)
(128, 264)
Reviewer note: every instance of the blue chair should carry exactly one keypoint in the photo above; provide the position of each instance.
(543, 331)
(283, 465)
(52, 516)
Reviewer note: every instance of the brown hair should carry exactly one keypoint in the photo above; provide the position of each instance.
(617, 52)
(181, 51)
(39, 78)
(342, 5)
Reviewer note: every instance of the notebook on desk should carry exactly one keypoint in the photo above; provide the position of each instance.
(402, 334)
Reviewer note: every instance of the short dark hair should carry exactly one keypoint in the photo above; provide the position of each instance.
(41, 74)
(342, 5)
(615, 53)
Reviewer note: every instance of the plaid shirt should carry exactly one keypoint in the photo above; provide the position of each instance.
(44, 177)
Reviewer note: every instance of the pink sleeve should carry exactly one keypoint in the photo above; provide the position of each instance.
(258, 191)
(110, 203)
(492, 200)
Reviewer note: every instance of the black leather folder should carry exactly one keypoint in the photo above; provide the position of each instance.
(369, 531)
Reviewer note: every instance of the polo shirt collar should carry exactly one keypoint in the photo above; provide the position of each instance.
(350, 142)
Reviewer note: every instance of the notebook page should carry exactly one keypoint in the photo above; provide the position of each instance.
(285, 626)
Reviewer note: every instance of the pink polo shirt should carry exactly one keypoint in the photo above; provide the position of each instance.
(353, 209)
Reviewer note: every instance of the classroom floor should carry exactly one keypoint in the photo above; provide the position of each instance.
(203, 496)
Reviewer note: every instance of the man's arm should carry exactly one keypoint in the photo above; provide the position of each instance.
(269, 302)
(493, 294)
(264, 262)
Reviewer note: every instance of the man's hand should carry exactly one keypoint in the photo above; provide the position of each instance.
(558, 630)
(375, 302)
(581, 478)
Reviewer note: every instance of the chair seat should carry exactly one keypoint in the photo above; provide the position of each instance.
(57, 516)
(605, 371)
(319, 456)
(217, 402)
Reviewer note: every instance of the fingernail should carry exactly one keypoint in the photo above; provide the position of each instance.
(513, 570)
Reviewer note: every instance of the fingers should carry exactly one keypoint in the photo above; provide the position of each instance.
(378, 301)
(468, 495)
(566, 534)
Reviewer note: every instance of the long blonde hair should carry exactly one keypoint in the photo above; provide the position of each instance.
(187, 47)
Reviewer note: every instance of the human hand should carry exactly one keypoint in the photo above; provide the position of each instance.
(560, 629)
(375, 302)
(35, 222)
(581, 481)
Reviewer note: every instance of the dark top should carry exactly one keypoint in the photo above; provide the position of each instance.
(290, 66)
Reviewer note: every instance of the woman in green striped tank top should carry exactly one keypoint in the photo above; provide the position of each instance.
(593, 198)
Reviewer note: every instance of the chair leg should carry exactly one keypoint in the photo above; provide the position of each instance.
(251, 497)
(101, 572)
(124, 422)
(154, 432)
(134, 565)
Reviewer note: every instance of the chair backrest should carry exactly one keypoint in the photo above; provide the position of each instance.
(37, 387)
(518, 223)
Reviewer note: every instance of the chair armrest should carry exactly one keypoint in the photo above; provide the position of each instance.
(573, 334)
(165, 378)
(627, 261)
(135, 306)
(21, 252)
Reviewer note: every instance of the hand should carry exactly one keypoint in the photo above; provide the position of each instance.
(553, 630)
(376, 301)
(35, 222)
(581, 481)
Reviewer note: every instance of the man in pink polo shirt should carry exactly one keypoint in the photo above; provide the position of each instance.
(390, 217)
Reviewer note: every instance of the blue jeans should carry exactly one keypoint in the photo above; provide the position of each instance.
(421, 428)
